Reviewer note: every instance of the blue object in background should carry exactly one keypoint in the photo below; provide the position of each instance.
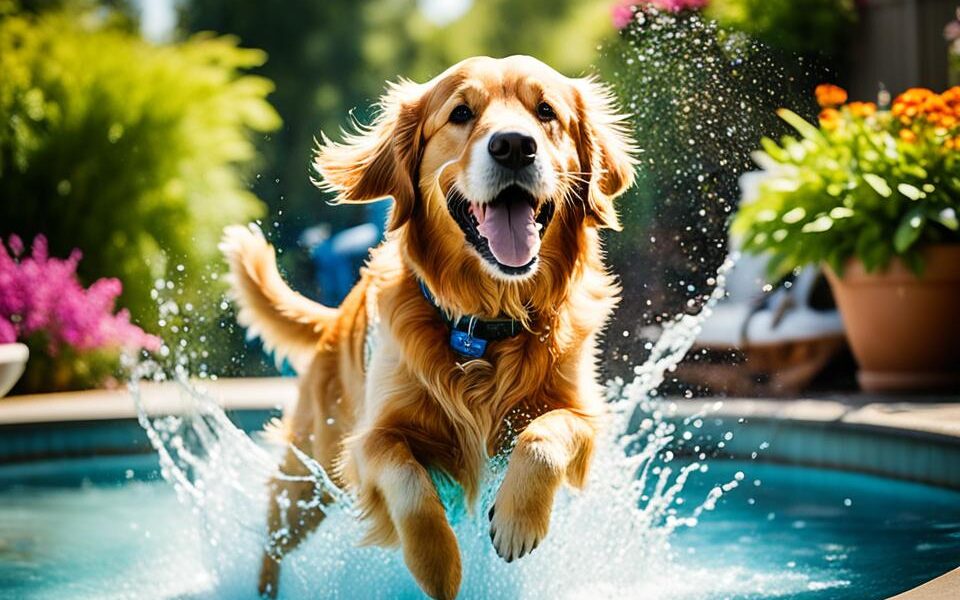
(338, 258)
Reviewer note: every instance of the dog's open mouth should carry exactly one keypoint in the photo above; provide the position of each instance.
(505, 232)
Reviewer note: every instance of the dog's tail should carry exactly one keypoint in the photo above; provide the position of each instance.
(288, 323)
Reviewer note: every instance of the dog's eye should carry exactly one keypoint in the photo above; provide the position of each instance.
(461, 114)
(545, 112)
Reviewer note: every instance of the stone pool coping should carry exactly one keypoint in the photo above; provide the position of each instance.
(916, 439)
(927, 416)
(908, 438)
(924, 416)
(99, 422)
(253, 393)
(941, 588)
(889, 436)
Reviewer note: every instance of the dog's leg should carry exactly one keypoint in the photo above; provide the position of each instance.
(395, 483)
(294, 512)
(316, 426)
(554, 448)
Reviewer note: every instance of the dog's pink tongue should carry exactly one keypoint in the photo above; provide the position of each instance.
(511, 231)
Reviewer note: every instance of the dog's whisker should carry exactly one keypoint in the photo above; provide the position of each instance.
(575, 178)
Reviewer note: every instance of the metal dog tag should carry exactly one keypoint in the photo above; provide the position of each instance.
(466, 344)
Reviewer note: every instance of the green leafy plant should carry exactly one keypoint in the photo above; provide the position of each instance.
(136, 153)
(866, 184)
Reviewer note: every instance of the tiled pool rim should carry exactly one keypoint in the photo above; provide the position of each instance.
(916, 439)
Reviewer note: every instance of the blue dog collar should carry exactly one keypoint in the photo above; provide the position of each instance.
(469, 334)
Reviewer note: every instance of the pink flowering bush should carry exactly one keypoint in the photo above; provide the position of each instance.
(74, 334)
(952, 34)
(623, 12)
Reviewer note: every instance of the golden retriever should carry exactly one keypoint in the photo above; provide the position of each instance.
(502, 172)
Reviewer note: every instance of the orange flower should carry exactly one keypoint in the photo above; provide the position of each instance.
(830, 96)
(829, 118)
(914, 96)
(933, 104)
(908, 136)
(950, 115)
(908, 105)
(935, 110)
(951, 98)
(945, 120)
(862, 109)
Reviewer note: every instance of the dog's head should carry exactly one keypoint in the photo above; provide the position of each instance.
(485, 160)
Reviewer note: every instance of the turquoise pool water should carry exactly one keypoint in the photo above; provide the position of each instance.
(112, 528)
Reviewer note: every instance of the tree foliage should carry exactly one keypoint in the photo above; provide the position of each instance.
(133, 153)
(807, 26)
(330, 60)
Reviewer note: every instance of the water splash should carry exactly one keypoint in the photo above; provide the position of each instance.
(611, 540)
(700, 98)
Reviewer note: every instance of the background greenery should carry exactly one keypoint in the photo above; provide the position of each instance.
(700, 96)
(132, 152)
(139, 152)
(330, 59)
(805, 26)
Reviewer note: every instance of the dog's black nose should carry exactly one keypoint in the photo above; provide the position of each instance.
(512, 149)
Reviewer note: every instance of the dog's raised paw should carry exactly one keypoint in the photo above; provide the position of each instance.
(518, 527)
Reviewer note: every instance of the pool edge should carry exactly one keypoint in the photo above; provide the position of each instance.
(945, 586)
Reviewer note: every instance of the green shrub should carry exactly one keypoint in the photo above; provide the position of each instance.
(699, 97)
(132, 152)
(812, 26)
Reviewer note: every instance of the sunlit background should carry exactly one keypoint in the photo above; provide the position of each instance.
(790, 265)
(136, 130)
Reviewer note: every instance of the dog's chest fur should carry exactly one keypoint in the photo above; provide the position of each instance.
(457, 413)
(485, 391)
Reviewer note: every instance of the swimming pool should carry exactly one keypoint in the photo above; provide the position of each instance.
(110, 527)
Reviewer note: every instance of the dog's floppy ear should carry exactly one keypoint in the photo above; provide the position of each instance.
(606, 150)
(378, 160)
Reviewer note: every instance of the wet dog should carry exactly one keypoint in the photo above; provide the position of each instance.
(483, 306)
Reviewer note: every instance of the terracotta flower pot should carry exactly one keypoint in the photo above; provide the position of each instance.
(904, 330)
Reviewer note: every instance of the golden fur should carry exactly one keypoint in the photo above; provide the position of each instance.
(377, 427)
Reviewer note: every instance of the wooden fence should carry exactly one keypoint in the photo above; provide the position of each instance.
(899, 44)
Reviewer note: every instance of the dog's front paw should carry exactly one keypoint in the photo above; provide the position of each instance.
(518, 522)
(269, 577)
(431, 552)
